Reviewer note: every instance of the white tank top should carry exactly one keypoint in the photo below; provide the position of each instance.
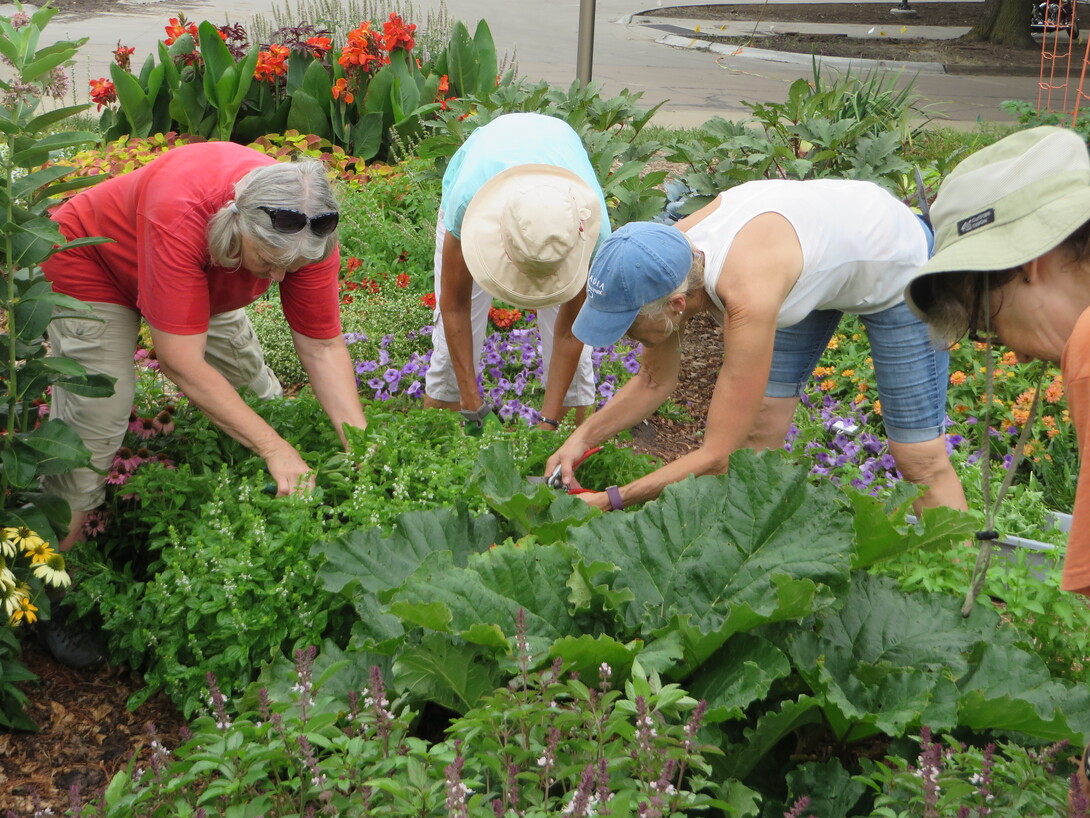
(860, 245)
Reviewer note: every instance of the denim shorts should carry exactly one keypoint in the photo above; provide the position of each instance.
(910, 369)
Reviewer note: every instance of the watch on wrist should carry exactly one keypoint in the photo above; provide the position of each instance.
(614, 495)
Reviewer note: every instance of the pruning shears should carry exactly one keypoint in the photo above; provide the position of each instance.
(554, 480)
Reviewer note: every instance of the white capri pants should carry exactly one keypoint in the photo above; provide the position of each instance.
(107, 347)
(441, 384)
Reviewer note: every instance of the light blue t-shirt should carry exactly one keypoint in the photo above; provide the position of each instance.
(507, 141)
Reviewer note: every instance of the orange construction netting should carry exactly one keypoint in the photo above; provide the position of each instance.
(1061, 56)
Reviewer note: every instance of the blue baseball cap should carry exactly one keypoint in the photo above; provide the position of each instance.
(639, 263)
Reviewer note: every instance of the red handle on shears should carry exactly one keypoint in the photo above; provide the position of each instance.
(577, 464)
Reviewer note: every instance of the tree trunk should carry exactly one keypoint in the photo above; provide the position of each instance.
(1006, 22)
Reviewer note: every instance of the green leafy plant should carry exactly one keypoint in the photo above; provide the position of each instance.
(31, 446)
(335, 743)
(947, 778)
(365, 93)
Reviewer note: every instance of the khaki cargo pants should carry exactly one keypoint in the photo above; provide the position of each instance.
(107, 346)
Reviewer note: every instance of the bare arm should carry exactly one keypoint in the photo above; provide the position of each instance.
(634, 402)
(181, 358)
(329, 367)
(565, 359)
(455, 305)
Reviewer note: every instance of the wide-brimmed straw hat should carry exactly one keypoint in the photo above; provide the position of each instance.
(1005, 205)
(528, 235)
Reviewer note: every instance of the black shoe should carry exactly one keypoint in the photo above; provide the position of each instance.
(71, 641)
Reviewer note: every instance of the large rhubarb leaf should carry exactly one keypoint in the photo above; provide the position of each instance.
(718, 555)
(530, 508)
(887, 658)
(481, 602)
(439, 671)
(883, 532)
(365, 560)
(742, 672)
(772, 727)
(1011, 689)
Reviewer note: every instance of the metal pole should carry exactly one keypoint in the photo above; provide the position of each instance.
(585, 51)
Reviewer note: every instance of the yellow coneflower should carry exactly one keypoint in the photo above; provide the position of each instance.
(52, 572)
(26, 612)
(23, 537)
(39, 552)
(11, 600)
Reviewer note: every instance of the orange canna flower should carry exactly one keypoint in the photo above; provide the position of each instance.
(123, 55)
(362, 48)
(398, 35)
(341, 92)
(103, 92)
(319, 46)
(272, 63)
(177, 27)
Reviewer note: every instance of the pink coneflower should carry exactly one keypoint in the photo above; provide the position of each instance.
(145, 428)
(164, 422)
(117, 478)
(134, 422)
(125, 460)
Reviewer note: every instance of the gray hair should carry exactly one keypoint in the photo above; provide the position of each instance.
(694, 280)
(301, 185)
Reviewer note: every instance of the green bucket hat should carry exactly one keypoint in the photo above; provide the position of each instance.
(1007, 204)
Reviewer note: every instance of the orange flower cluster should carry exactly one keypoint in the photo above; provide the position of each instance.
(428, 300)
(1055, 391)
(319, 46)
(503, 318)
(272, 63)
(362, 48)
(177, 27)
(398, 35)
(958, 378)
(103, 92)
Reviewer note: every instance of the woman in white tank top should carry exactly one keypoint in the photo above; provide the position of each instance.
(779, 262)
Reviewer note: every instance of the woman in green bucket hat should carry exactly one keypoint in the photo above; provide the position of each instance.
(1012, 264)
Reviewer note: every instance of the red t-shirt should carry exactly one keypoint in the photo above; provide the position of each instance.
(158, 263)
(1075, 364)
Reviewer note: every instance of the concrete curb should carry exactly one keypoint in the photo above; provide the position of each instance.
(844, 63)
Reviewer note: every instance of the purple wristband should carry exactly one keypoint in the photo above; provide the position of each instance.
(614, 495)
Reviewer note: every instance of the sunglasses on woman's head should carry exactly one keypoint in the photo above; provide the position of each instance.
(286, 220)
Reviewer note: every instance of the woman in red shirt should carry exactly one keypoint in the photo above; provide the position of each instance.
(197, 234)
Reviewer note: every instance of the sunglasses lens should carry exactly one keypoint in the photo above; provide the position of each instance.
(325, 224)
(287, 221)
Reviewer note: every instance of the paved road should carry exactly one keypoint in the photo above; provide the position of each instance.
(542, 37)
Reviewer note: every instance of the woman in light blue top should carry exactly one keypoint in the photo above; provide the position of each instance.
(522, 213)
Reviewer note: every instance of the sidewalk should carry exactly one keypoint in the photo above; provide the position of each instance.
(630, 51)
